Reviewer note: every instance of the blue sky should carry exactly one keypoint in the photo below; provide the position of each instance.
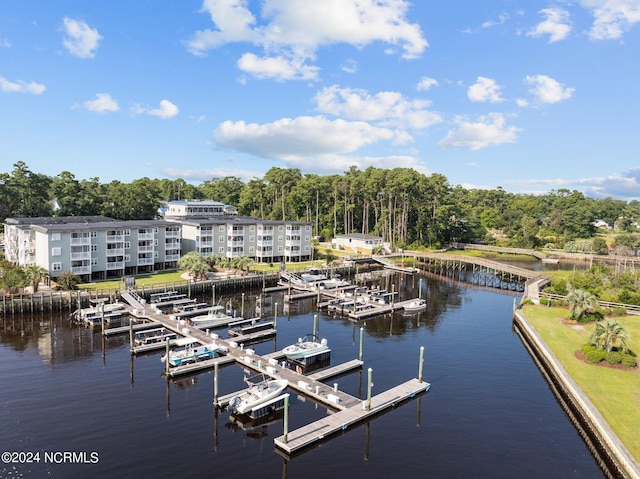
(530, 96)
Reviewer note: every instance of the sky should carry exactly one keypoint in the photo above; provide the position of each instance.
(529, 96)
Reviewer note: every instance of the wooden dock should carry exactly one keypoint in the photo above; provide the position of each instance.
(315, 432)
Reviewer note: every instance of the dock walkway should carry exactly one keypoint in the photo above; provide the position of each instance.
(317, 431)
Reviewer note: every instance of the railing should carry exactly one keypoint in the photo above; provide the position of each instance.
(631, 308)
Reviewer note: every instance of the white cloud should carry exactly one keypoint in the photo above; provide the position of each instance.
(350, 66)
(612, 17)
(294, 30)
(166, 110)
(4, 43)
(557, 25)
(81, 40)
(278, 68)
(102, 103)
(489, 130)
(485, 89)
(21, 87)
(548, 90)
(522, 102)
(311, 143)
(426, 83)
(388, 108)
(502, 18)
(208, 173)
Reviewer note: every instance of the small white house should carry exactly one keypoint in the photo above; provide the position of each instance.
(357, 243)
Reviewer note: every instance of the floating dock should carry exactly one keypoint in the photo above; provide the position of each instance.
(317, 431)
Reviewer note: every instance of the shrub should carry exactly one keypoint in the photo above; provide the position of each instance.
(629, 361)
(590, 317)
(619, 311)
(587, 348)
(595, 356)
(614, 357)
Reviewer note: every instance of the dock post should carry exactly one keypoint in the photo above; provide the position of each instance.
(102, 318)
(286, 417)
(213, 294)
(421, 363)
(166, 361)
(361, 337)
(130, 334)
(393, 295)
(215, 384)
(242, 307)
(318, 298)
(369, 383)
(420, 288)
(315, 324)
(275, 317)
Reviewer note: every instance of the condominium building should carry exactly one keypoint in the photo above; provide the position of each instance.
(264, 241)
(202, 208)
(93, 247)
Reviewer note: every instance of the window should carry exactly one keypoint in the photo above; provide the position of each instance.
(127, 257)
(250, 249)
(252, 239)
(56, 251)
(127, 232)
(94, 234)
(221, 228)
(56, 266)
(252, 228)
(221, 250)
(279, 249)
(280, 238)
(55, 236)
(127, 244)
(94, 248)
(280, 228)
(94, 261)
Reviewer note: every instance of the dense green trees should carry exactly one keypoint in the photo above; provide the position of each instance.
(409, 209)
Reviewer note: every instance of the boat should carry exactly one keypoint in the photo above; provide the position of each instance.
(415, 306)
(215, 316)
(152, 336)
(190, 353)
(261, 390)
(313, 275)
(333, 283)
(305, 347)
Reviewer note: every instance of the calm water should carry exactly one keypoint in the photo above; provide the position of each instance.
(489, 412)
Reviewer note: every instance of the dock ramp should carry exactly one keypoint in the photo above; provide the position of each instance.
(133, 299)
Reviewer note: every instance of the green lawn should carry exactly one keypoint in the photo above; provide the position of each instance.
(616, 393)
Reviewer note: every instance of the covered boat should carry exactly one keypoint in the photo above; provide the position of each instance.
(190, 353)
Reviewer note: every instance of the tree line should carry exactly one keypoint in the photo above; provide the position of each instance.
(407, 208)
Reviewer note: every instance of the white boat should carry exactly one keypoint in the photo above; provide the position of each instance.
(313, 275)
(190, 353)
(305, 347)
(215, 316)
(261, 390)
(415, 306)
(333, 283)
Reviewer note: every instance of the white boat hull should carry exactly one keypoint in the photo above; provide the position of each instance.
(257, 395)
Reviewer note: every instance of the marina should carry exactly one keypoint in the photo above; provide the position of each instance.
(465, 410)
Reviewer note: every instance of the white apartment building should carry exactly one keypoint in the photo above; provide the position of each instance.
(264, 241)
(93, 247)
(203, 208)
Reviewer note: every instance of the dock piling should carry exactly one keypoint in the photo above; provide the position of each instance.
(215, 384)
(421, 363)
(369, 384)
(166, 361)
(286, 417)
(361, 338)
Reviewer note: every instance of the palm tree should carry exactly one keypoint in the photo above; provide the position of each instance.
(609, 334)
(195, 264)
(35, 274)
(580, 301)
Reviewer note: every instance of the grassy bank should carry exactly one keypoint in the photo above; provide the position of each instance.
(614, 392)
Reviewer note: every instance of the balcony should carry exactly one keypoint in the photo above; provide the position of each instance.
(115, 251)
(145, 249)
(81, 269)
(145, 261)
(81, 255)
(115, 238)
(171, 257)
(111, 265)
(146, 236)
(172, 234)
(81, 241)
